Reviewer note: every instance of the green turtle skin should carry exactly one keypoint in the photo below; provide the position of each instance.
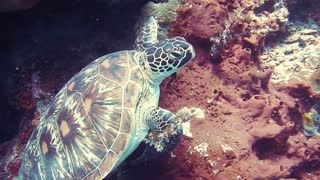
(104, 112)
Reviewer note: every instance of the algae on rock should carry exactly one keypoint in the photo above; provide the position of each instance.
(164, 13)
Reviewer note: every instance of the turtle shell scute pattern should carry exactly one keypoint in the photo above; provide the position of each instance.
(86, 123)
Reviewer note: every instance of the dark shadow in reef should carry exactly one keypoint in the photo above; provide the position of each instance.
(309, 165)
(302, 9)
(268, 148)
(143, 170)
(57, 35)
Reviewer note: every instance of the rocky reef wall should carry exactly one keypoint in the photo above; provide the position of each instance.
(253, 124)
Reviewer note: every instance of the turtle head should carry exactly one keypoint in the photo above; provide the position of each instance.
(167, 56)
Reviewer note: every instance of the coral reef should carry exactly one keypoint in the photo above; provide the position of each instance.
(209, 15)
(253, 125)
(295, 55)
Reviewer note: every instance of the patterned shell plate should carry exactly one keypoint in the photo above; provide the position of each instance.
(88, 126)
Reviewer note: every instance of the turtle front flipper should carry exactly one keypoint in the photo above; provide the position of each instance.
(152, 145)
(159, 118)
(165, 133)
(147, 35)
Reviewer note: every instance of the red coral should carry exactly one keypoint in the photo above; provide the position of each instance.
(199, 20)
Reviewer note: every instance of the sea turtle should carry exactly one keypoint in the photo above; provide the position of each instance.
(105, 111)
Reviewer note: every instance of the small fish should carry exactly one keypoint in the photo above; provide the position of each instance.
(311, 122)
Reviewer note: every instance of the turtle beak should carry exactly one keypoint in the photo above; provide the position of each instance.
(193, 52)
(190, 54)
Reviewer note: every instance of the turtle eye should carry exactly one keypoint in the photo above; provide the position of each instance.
(176, 54)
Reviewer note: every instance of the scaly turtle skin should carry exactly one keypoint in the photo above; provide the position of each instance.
(105, 111)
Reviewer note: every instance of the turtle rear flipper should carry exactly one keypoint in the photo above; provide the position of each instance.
(148, 35)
